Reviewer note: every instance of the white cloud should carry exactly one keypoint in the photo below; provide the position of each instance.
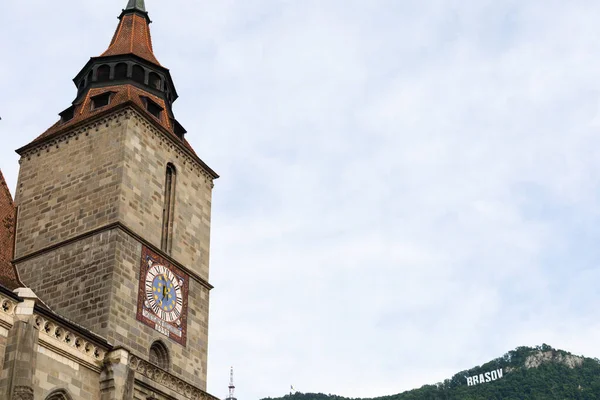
(407, 189)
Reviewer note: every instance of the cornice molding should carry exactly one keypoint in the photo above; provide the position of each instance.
(126, 111)
(69, 344)
(174, 146)
(126, 230)
(76, 345)
(162, 377)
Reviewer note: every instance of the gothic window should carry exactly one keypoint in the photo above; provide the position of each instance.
(60, 394)
(101, 100)
(121, 71)
(154, 80)
(159, 355)
(168, 209)
(103, 73)
(138, 74)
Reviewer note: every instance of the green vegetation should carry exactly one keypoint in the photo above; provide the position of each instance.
(529, 373)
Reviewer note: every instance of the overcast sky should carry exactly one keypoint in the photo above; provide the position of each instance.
(409, 188)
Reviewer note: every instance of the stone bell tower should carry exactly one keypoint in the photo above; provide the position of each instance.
(114, 209)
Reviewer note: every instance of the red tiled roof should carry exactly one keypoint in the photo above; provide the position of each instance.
(8, 273)
(132, 37)
(121, 94)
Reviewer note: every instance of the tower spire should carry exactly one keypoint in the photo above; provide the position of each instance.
(136, 5)
(132, 35)
(231, 387)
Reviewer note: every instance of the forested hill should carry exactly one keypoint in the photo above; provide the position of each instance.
(525, 373)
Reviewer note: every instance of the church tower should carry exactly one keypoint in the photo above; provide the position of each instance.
(114, 209)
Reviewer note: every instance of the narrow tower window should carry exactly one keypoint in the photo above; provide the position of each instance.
(169, 209)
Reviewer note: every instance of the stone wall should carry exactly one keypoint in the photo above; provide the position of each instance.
(189, 362)
(75, 279)
(147, 153)
(55, 371)
(69, 186)
(86, 201)
(42, 356)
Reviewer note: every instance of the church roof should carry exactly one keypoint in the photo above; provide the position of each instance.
(152, 93)
(133, 34)
(121, 96)
(8, 273)
(144, 85)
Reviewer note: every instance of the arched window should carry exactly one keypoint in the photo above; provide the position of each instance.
(60, 394)
(90, 77)
(103, 73)
(121, 71)
(154, 80)
(168, 209)
(138, 74)
(159, 355)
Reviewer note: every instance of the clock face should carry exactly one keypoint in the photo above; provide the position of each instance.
(163, 293)
(162, 296)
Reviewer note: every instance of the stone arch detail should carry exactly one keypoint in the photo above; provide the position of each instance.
(159, 355)
(59, 394)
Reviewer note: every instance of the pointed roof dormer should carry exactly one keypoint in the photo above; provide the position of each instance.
(133, 33)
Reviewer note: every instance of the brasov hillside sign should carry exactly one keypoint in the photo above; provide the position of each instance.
(485, 378)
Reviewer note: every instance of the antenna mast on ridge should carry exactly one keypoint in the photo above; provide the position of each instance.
(231, 387)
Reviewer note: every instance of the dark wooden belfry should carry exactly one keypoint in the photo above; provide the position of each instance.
(130, 60)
